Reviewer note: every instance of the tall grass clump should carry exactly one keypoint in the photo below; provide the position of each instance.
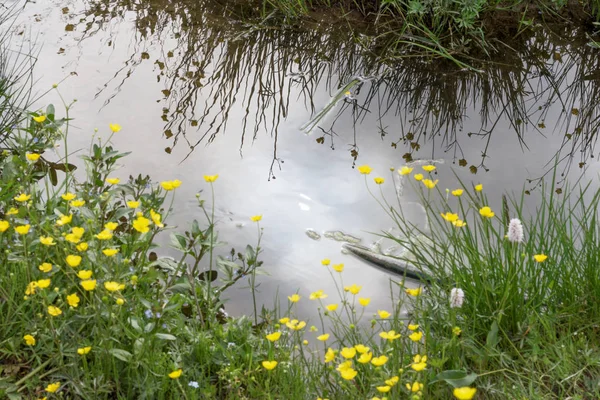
(521, 285)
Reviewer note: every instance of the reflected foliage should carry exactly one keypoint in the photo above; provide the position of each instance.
(213, 65)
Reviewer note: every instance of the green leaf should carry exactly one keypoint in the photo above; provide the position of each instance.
(135, 324)
(166, 336)
(50, 111)
(492, 337)
(122, 355)
(456, 378)
(178, 242)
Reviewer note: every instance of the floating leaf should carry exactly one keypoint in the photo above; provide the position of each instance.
(212, 275)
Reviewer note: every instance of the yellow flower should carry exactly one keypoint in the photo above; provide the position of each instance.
(413, 327)
(114, 127)
(464, 393)
(29, 340)
(415, 336)
(22, 229)
(89, 284)
(361, 348)
(295, 324)
(12, 211)
(73, 238)
(365, 358)
(269, 365)
(294, 298)
(415, 387)
(73, 260)
(54, 311)
(429, 183)
(348, 352)
(32, 156)
(405, 170)
(540, 257)
(110, 252)
(45, 267)
(53, 387)
(391, 335)
(486, 212)
(319, 294)
(43, 283)
(64, 220)
(47, 240)
(111, 226)
(379, 361)
(354, 289)
(77, 203)
(419, 363)
(120, 302)
(113, 181)
(104, 235)
(418, 177)
(78, 231)
(383, 314)
(364, 301)
(284, 320)
(323, 337)
(170, 185)
(112, 286)
(4, 225)
(429, 168)
(479, 187)
(379, 180)
(39, 119)
(325, 261)
(414, 292)
(73, 300)
(392, 381)
(273, 337)
(141, 224)
(348, 373)
(457, 192)
(133, 204)
(313, 328)
(329, 355)
(256, 218)
(365, 169)
(84, 350)
(456, 330)
(383, 389)
(338, 267)
(211, 178)
(82, 246)
(176, 374)
(156, 219)
(331, 307)
(68, 196)
(459, 223)
(450, 217)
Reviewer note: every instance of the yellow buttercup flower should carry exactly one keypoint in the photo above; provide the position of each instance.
(110, 252)
(338, 267)
(365, 169)
(405, 170)
(361, 348)
(64, 220)
(464, 393)
(73, 260)
(45, 267)
(39, 119)
(22, 229)
(141, 224)
(273, 337)
(120, 302)
(415, 387)
(156, 219)
(364, 301)
(68, 196)
(450, 217)
(82, 246)
(295, 324)
(4, 225)
(365, 358)
(78, 231)
(269, 365)
(319, 294)
(331, 307)
(133, 204)
(29, 340)
(413, 327)
(111, 226)
(112, 286)
(256, 218)
(43, 283)
(329, 355)
(540, 257)
(383, 389)
(84, 350)
(294, 298)
(284, 320)
(104, 235)
(390, 335)
(72, 238)
(379, 361)
(456, 331)
(414, 292)
(348, 373)
(211, 178)
(176, 374)
(429, 168)
(22, 197)
(54, 311)
(114, 127)
(415, 336)
(486, 212)
(383, 314)
(88, 284)
(392, 381)
(47, 240)
(313, 328)
(459, 223)
(12, 211)
(429, 183)
(73, 300)
(113, 181)
(457, 192)
(379, 180)
(419, 363)
(32, 156)
(323, 337)
(479, 187)
(53, 387)
(77, 203)
(170, 185)
(325, 261)
(418, 177)
(348, 352)
(354, 289)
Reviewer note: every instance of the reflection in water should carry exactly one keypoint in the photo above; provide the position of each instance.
(542, 84)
